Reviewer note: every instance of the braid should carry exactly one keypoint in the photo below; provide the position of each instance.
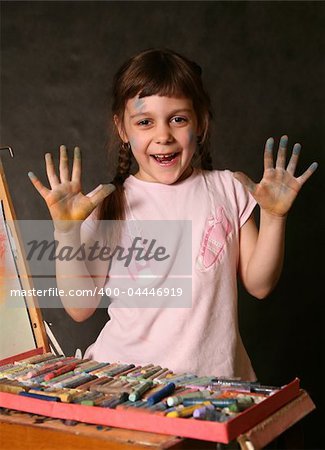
(112, 207)
(124, 164)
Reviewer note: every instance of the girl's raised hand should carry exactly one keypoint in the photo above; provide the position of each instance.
(65, 200)
(278, 188)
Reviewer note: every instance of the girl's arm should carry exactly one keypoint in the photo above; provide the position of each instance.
(262, 252)
(69, 207)
(80, 279)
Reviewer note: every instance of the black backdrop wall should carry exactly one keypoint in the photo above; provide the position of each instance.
(262, 64)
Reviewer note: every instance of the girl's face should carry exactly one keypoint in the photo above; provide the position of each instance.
(162, 132)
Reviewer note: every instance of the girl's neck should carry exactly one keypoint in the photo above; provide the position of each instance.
(188, 172)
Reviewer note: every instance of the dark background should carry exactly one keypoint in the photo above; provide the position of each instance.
(262, 64)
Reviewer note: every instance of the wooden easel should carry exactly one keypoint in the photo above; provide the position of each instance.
(33, 309)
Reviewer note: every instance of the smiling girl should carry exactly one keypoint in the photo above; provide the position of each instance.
(161, 115)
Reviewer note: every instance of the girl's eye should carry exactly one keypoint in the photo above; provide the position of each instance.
(144, 122)
(179, 119)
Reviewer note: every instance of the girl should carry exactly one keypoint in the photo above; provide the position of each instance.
(161, 115)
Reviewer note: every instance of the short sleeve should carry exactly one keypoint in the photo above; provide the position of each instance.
(244, 202)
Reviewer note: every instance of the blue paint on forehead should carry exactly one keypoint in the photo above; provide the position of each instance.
(139, 103)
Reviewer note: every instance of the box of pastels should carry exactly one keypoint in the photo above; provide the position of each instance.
(146, 398)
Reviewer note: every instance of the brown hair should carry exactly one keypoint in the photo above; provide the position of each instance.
(155, 72)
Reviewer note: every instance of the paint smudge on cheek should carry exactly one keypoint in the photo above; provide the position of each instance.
(136, 145)
(191, 135)
(192, 140)
(133, 143)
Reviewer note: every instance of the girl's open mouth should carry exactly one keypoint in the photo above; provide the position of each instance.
(166, 160)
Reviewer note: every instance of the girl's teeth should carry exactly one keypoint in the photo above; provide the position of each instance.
(162, 157)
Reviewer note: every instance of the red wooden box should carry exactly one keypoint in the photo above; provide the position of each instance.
(146, 421)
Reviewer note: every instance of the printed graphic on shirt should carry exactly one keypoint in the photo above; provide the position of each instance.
(214, 240)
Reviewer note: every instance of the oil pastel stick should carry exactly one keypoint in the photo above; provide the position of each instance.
(89, 369)
(211, 415)
(131, 404)
(100, 382)
(148, 366)
(103, 385)
(266, 390)
(164, 376)
(37, 358)
(187, 411)
(35, 380)
(39, 396)
(99, 371)
(58, 382)
(176, 400)
(75, 382)
(157, 373)
(100, 400)
(202, 381)
(241, 404)
(149, 373)
(84, 363)
(128, 373)
(65, 396)
(106, 400)
(178, 379)
(60, 371)
(43, 370)
(86, 396)
(104, 371)
(217, 403)
(155, 388)
(142, 370)
(115, 401)
(88, 384)
(158, 407)
(119, 369)
(11, 388)
(114, 390)
(141, 389)
(245, 386)
(164, 412)
(162, 393)
(202, 412)
(58, 378)
(59, 358)
(235, 381)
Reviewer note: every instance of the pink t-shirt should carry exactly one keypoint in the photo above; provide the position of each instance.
(202, 338)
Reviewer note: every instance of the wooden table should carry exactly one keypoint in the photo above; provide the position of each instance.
(30, 432)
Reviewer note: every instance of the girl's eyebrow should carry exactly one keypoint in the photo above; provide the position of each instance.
(148, 113)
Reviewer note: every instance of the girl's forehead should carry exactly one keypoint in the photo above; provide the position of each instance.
(157, 102)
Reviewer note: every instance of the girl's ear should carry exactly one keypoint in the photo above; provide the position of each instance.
(120, 128)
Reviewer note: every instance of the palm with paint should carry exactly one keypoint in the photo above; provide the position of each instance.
(65, 200)
(277, 190)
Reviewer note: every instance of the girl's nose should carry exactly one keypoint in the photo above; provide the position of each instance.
(163, 134)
